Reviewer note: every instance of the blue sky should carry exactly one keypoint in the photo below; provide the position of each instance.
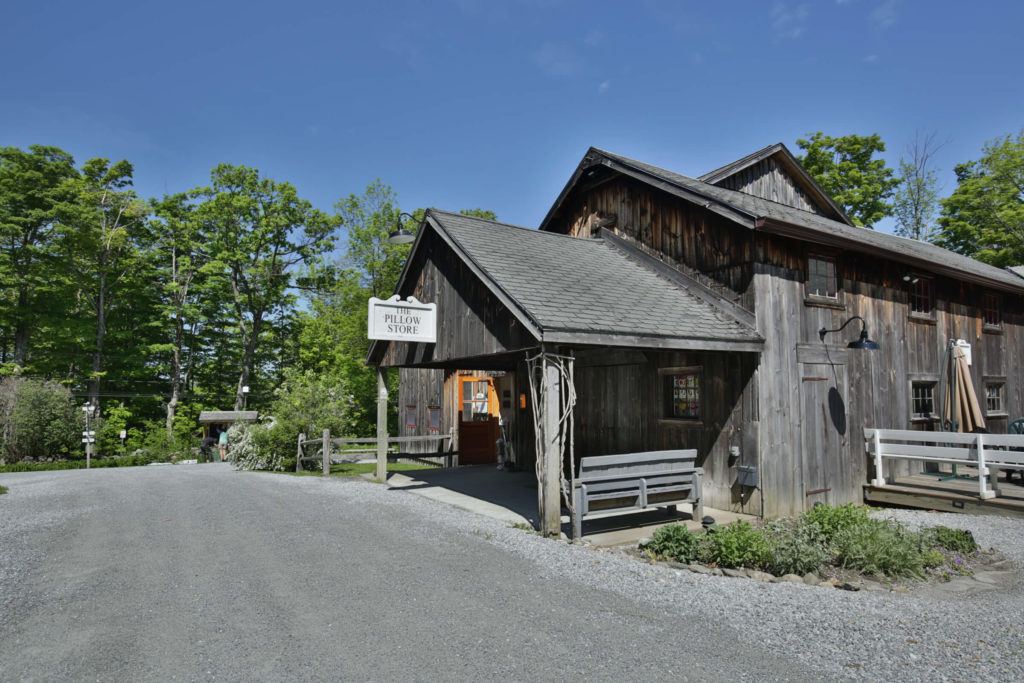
(470, 103)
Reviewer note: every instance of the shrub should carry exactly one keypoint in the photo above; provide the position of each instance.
(674, 541)
(37, 420)
(833, 519)
(737, 545)
(953, 540)
(796, 547)
(879, 546)
(3, 490)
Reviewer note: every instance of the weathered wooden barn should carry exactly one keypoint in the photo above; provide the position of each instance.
(691, 308)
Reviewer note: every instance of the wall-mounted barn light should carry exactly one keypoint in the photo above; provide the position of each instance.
(861, 343)
(400, 235)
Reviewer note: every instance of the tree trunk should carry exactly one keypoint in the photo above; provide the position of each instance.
(101, 332)
(248, 358)
(21, 328)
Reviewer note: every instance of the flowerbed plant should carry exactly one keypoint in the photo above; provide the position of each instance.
(826, 538)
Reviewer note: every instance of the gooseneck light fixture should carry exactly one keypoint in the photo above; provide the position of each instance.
(400, 235)
(863, 342)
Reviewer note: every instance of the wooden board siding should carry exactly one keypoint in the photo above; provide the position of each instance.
(768, 180)
(619, 410)
(878, 382)
(698, 241)
(471, 322)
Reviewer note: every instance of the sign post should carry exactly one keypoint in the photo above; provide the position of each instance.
(396, 319)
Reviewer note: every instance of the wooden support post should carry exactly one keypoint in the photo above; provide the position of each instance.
(381, 474)
(298, 453)
(327, 452)
(549, 493)
(876, 443)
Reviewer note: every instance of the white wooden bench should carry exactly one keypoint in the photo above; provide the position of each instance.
(636, 481)
(990, 453)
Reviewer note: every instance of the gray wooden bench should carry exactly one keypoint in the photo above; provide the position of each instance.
(636, 481)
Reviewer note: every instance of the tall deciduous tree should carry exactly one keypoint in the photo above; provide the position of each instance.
(182, 253)
(260, 233)
(30, 185)
(984, 217)
(103, 241)
(846, 168)
(917, 197)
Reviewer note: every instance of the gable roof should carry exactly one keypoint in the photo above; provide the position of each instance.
(768, 216)
(1016, 270)
(572, 290)
(215, 416)
(793, 167)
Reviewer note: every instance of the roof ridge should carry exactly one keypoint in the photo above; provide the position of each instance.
(534, 231)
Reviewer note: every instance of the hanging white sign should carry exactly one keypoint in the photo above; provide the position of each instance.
(398, 319)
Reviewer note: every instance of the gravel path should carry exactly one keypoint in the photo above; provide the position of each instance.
(201, 573)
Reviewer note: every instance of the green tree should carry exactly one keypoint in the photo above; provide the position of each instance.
(30, 186)
(181, 250)
(846, 169)
(984, 217)
(103, 242)
(260, 233)
(917, 197)
(368, 219)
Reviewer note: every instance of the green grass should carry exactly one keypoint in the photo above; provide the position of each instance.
(355, 469)
(120, 461)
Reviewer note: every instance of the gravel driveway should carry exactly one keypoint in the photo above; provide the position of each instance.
(200, 572)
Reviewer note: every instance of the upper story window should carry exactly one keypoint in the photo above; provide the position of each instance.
(821, 277)
(992, 310)
(922, 299)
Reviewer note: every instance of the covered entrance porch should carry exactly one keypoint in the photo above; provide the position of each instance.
(570, 347)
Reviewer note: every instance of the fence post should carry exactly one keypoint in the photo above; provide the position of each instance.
(983, 491)
(327, 452)
(298, 453)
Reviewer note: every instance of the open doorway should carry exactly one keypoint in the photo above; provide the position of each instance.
(478, 420)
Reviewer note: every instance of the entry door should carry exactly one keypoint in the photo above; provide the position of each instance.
(478, 421)
(825, 433)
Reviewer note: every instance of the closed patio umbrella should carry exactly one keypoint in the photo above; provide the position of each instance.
(961, 410)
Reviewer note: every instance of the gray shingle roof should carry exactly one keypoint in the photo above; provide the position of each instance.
(871, 241)
(213, 416)
(567, 284)
(1016, 270)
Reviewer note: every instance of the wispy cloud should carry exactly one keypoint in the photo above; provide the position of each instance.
(556, 59)
(789, 21)
(603, 87)
(885, 15)
(870, 59)
(594, 38)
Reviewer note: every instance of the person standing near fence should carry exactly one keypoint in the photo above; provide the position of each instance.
(222, 442)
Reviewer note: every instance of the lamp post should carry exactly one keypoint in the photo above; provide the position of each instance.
(863, 342)
(400, 235)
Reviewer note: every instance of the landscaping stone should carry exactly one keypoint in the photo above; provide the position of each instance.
(677, 565)
(811, 579)
(759, 576)
(735, 573)
(698, 568)
(792, 578)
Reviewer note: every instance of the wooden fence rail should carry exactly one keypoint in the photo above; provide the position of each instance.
(328, 453)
